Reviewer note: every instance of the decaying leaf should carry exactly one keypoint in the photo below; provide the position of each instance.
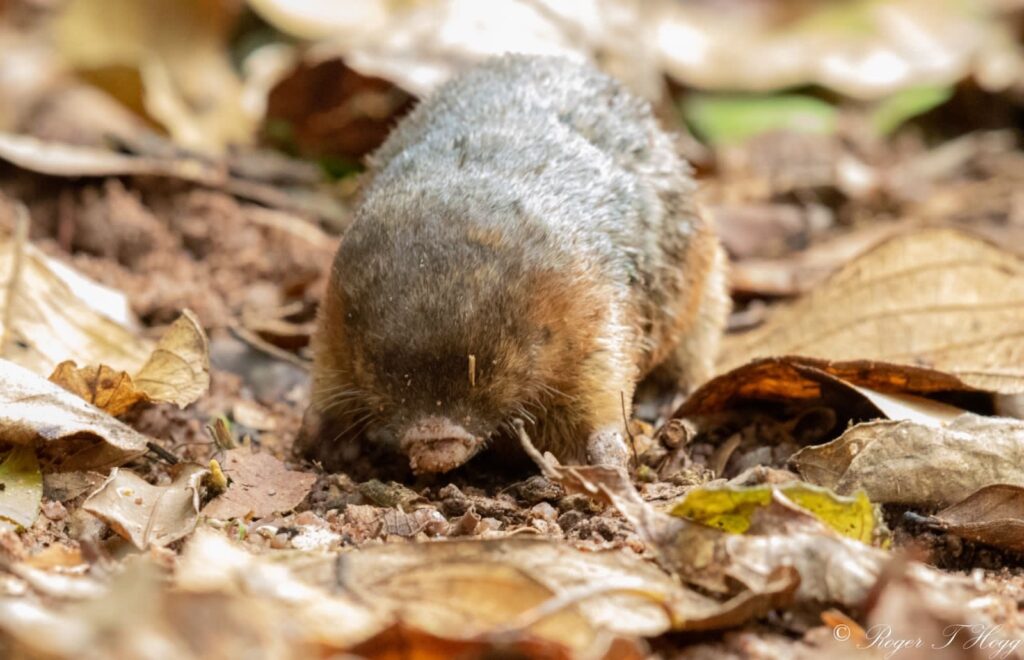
(939, 297)
(177, 371)
(44, 320)
(145, 514)
(829, 568)
(730, 508)
(260, 486)
(891, 389)
(68, 433)
(109, 390)
(916, 464)
(21, 487)
(993, 515)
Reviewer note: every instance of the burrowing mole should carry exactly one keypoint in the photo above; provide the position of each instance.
(527, 247)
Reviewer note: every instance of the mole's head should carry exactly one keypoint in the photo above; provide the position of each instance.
(436, 346)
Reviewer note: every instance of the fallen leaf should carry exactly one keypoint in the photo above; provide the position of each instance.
(260, 486)
(938, 298)
(891, 389)
(993, 515)
(829, 568)
(916, 464)
(109, 390)
(21, 487)
(68, 433)
(67, 160)
(730, 508)
(177, 371)
(148, 515)
(44, 320)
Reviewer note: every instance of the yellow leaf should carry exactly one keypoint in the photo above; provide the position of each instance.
(21, 487)
(731, 508)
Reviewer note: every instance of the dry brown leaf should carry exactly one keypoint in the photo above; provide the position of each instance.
(109, 390)
(938, 298)
(45, 320)
(992, 515)
(917, 464)
(177, 371)
(69, 434)
(952, 624)
(827, 567)
(260, 486)
(793, 378)
(145, 514)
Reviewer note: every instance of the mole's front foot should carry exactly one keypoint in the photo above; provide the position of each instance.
(608, 447)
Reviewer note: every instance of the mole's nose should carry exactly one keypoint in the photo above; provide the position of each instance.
(437, 444)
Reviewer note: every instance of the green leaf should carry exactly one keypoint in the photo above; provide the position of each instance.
(730, 118)
(731, 508)
(892, 112)
(21, 487)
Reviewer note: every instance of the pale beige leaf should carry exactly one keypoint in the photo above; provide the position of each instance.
(59, 159)
(145, 514)
(49, 323)
(69, 433)
(992, 515)
(917, 464)
(178, 371)
(938, 298)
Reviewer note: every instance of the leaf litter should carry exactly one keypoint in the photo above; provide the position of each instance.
(272, 555)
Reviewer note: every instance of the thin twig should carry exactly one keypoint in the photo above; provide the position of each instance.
(163, 453)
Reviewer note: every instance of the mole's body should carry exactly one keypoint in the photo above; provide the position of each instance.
(527, 247)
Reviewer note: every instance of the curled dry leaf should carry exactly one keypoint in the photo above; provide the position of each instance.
(69, 434)
(891, 389)
(940, 298)
(260, 486)
(992, 515)
(145, 514)
(917, 464)
(21, 488)
(177, 371)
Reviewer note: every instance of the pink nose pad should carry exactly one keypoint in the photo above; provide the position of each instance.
(437, 444)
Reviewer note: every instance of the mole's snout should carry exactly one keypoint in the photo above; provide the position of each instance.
(437, 444)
